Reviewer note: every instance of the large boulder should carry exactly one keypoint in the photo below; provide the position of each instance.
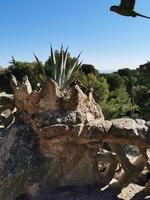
(41, 151)
(55, 142)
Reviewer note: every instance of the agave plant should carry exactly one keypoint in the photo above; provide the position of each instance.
(62, 73)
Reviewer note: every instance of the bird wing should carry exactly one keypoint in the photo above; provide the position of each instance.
(128, 4)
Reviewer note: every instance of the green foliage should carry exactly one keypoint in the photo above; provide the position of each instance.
(62, 68)
(138, 87)
(88, 69)
(115, 81)
(99, 85)
(20, 69)
(118, 104)
(110, 92)
(123, 93)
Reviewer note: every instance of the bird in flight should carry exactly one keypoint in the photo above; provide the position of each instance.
(126, 8)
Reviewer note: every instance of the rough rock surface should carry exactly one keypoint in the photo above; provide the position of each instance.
(44, 152)
(55, 140)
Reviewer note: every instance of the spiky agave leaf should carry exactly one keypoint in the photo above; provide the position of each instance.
(40, 70)
(53, 62)
(73, 75)
(62, 73)
(72, 68)
(64, 66)
(61, 66)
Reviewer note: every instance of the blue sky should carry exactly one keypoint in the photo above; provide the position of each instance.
(108, 41)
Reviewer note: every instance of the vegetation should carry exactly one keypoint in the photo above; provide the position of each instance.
(122, 93)
(60, 67)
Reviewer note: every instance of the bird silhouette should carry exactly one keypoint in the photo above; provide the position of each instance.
(126, 8)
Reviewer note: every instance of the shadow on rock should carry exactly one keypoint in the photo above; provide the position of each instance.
(142, 195)
(75, 193)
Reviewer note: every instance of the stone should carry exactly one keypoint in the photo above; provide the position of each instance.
(55, 140)
(127, 126)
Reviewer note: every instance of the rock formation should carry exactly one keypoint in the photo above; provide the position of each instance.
(57, 140)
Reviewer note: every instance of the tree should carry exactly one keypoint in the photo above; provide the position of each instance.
(20, 69)
(88, 69)
(118, 104)
(99, 85)
(114, 80)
